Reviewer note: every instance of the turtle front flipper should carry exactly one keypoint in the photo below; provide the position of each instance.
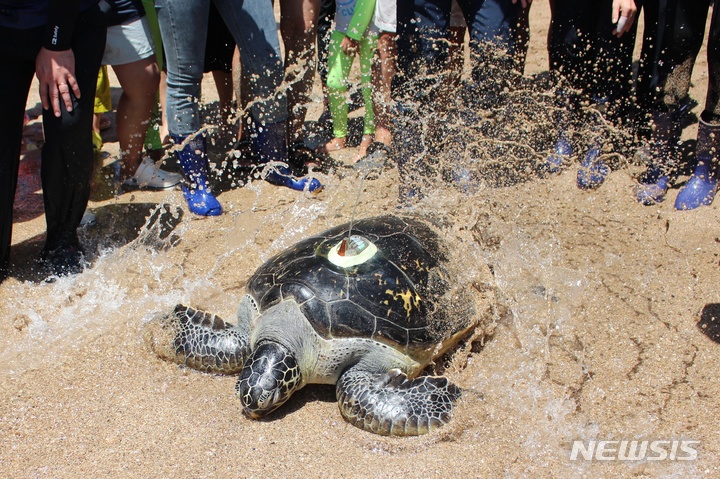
(393, 405)
(199, 340)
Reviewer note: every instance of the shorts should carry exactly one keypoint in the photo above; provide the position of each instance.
(128, 43)
(385, 18)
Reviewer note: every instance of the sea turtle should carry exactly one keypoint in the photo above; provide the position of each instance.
(366, 307)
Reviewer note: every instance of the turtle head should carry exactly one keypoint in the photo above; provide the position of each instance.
(270, 376)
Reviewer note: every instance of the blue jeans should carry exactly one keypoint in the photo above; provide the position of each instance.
(184, 23)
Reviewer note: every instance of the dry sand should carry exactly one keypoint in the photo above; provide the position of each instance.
(605, 332)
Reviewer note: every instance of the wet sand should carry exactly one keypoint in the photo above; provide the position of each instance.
(605, 331)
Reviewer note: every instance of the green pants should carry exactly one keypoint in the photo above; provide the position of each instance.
(337, 80)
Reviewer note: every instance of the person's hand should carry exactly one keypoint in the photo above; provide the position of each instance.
(55, 71)
(623, 15)
(349, 46)
(524, 3)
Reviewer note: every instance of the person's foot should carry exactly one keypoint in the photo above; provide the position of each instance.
(562, 151)
(593, 171)
(335, 144)
(282, 176)
(699, 190)
(201, 201)
(651, 187)
(150, 176)
(362, 149)
(301, 158)
(165, 139)
(383, 135)
(64, 260)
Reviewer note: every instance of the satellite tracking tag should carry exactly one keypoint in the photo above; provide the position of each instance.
(352, 251)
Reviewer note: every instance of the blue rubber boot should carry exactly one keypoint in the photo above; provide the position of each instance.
(703, 184)
(562, 151)
(593, 172)
(271, 145)
(196, 190)
(653, 184)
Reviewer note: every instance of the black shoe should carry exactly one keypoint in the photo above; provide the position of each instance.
(300, 157)
(65, 260)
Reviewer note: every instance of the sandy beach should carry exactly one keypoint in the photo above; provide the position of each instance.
(606, 330)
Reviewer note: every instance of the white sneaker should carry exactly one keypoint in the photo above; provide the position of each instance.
(150, 176)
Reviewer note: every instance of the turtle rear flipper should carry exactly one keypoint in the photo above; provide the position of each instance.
(199, 340)
(393, 405)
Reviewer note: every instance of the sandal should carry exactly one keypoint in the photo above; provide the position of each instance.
(300, 157)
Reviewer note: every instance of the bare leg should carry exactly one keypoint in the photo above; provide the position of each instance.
(363, 147)
(162, 98)
(337, 143)
(298, 27)
(139, 81)
(456, 55)
(383, 73)
(224, 85)
(240, 90)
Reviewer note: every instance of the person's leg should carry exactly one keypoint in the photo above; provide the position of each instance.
(219, 53)
(422, 29)
(522, 39)
(298, 28)
(565, 47)
(254, 29)
(338, 70)
(184, 42)
(224, 84)
(324, 30)
(103, 104)
(139, 81)
(456, 39)
(157, 133)
(67, 156)
(663, 89)
(18, 49)
(492, 26)
(368, 45)
(609, 64)
(130, 50)
(702, 186)
(383, 74)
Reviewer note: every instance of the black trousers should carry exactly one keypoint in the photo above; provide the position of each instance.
(686, 22)
(67, 155)
(585, 53)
